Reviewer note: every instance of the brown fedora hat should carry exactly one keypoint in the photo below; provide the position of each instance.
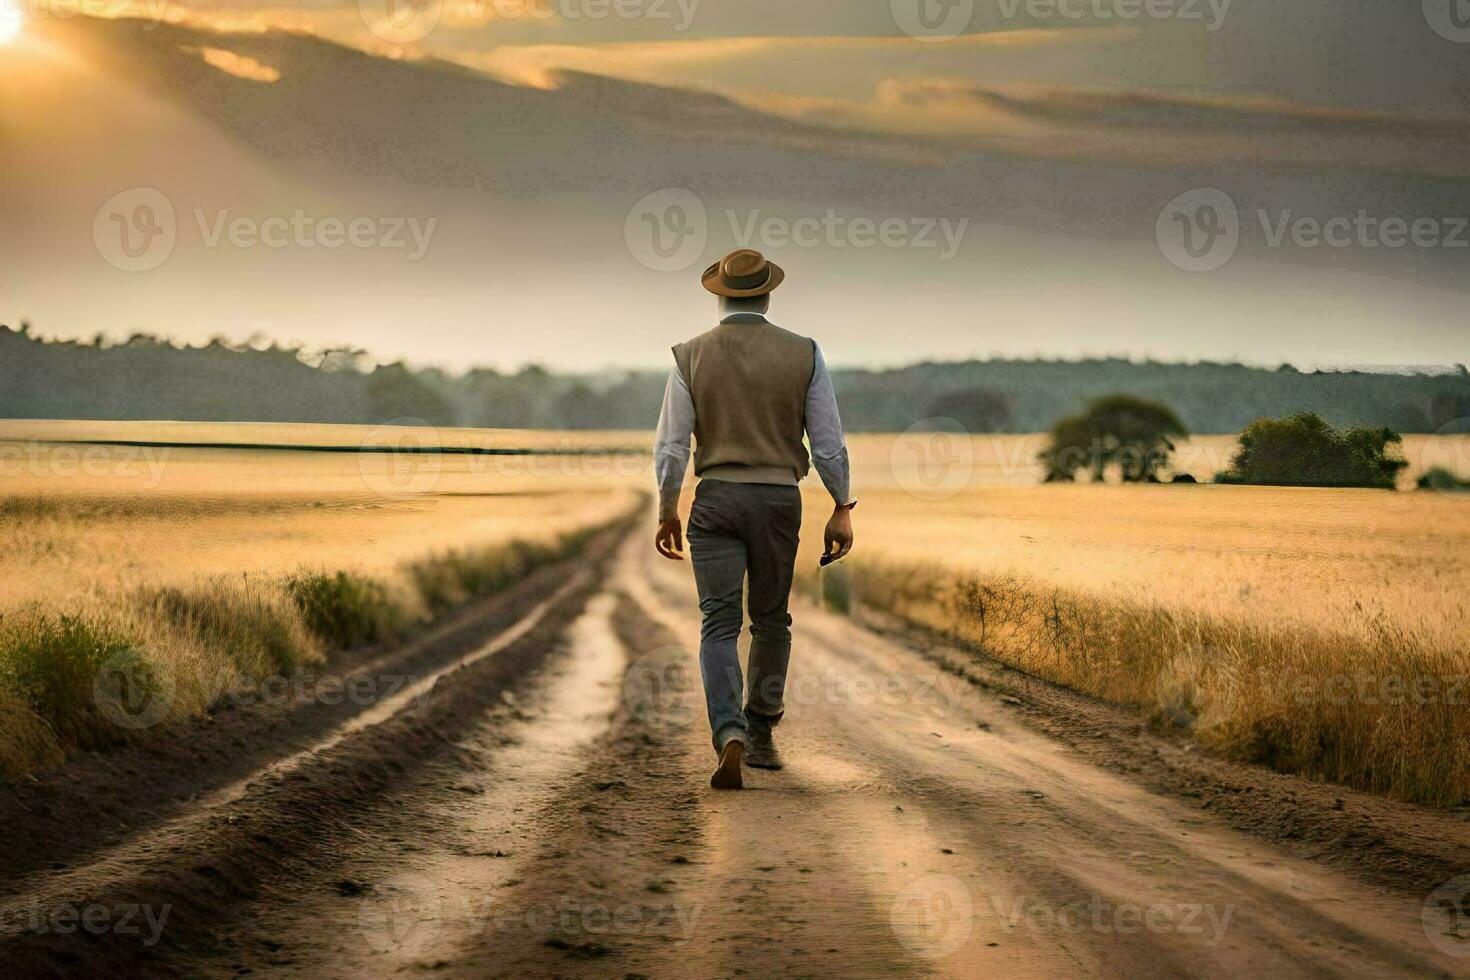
(744, 272)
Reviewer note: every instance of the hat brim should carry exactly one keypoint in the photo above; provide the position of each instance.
(712, 281)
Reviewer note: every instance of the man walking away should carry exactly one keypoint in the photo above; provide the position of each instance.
(746, 391)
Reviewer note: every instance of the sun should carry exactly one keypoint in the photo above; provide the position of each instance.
(9, 22)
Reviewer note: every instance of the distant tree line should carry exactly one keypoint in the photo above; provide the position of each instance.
(146, 377)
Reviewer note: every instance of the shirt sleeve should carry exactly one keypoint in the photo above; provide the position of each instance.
(824, 433)
(671, 443)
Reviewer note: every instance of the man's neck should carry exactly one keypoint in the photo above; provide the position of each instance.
(743, 316)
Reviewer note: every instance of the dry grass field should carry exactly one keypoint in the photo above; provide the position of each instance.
(1319, 631)
(1278, 554)
(85, 519)
(195, 568)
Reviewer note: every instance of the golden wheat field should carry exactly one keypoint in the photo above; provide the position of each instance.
(1291, 553)
(82, 518)
(1185, 601)
(207, 567)
(1319, 631)
(79, 517)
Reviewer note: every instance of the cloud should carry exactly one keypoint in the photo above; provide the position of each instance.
(239, 65)
(820, 59)
(1141, 108)
(1070, 93)
(1141, 126)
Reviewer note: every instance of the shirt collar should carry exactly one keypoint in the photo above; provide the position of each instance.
(744, 318)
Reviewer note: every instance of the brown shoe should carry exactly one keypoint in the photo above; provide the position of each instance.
(727, 775)
(762, 752)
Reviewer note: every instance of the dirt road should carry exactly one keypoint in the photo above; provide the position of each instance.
(537, 805)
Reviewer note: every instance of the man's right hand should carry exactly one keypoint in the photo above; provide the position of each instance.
(670, 539)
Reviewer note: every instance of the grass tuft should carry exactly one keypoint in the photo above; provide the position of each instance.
(345, 610)
(247, 625)
(51, 665)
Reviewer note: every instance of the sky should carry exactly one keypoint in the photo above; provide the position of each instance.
(1262, 180)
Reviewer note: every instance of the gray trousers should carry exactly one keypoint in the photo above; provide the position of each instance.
(739, 531)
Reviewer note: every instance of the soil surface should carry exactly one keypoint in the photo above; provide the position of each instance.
(533, 800)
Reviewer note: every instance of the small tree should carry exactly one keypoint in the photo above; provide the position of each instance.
(1305, 451)
(1135, 434)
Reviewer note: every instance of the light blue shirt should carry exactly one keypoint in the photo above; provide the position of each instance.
(823, 431)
